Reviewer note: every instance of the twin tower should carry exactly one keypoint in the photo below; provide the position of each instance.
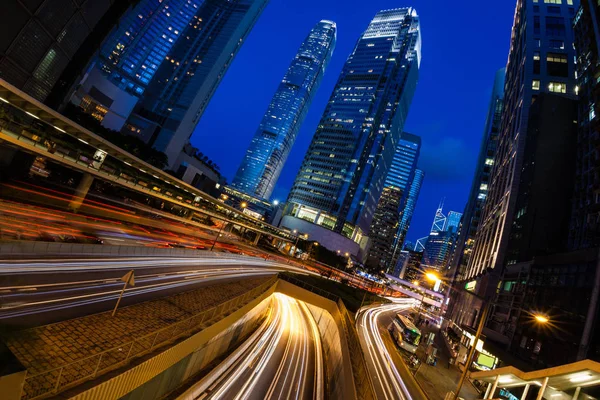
(336, 192)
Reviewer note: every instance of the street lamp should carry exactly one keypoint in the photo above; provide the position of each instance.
(243, 205)
(541, 318)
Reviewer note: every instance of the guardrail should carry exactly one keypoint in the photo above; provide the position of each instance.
(53, 381)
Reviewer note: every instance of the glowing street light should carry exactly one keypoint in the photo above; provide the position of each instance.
(541, 318)
(244, 204)
(432, 277)
(275, 202)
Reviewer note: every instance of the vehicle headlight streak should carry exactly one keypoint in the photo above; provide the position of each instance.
(386, 375)
(279, 352)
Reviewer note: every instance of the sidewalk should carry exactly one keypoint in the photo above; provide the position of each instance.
(438, 380)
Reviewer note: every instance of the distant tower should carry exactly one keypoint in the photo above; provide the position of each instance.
(277, 131)
(439, 220)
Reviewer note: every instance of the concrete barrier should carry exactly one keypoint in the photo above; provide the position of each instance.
(33, 249)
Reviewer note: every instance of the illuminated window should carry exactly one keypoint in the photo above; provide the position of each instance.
(535, 84)
(557, 87)
(555, 1)
(489, 161)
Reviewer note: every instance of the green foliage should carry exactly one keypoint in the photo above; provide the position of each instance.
(129, 143)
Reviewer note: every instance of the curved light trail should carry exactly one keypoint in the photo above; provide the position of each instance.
(281, 360)
(387, 381)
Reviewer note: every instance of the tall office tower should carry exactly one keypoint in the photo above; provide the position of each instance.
(130, 56)
(481, 179)
(541, 60)
(452, 221)
(438, 250)
(409, 207)
(336, 191)
(279, 127)
(400, 175)
(45, 42)
(182, 87)
(584, 231)
(383, 229)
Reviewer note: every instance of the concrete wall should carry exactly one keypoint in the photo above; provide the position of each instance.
(77, 249)
(159, 375)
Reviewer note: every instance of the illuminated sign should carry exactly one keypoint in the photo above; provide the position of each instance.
(470, 286)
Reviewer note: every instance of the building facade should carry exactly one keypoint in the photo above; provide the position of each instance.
(453, 221)
(182, 87)
(337, 189)
(408, 208)
(481, 179)
(276, 134)
(120, 73)
(383, 229)
(386, 248)
(44, 43)
(541, 60)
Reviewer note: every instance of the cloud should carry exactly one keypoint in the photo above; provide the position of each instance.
(448, 159)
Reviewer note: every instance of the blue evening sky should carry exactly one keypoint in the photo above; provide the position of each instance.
(464, 43)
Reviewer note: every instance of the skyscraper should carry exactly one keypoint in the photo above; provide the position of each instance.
(384, 228)
(182, 87)
(336, 191)
(277, 131)
(45, 42)
(409, 207)
(541, 60)
(481, 179)
(130, 56)
(452, 221)
(385, 248)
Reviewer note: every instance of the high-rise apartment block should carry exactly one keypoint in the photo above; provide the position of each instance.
(279, 127)
(337, 189)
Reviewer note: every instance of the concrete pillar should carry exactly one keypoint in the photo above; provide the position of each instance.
(494, 386)
(82, 190)
(525, 391)
(540, 395)
(256, 239)
(576, 395)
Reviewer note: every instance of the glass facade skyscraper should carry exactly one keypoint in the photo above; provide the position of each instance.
(404, 163)
(452, 221)
(342, 176)
(279, 127)
(409, 207)
(184, 84)
(386, 243)
(130, 56)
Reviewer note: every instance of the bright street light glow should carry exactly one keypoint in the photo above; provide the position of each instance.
(541, 318)
(431, 276)
(275, 202)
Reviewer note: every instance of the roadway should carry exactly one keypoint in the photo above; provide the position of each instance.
(280, 360)
(390, 376)
(38, 292)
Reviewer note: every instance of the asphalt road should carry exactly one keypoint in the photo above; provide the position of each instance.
(38, 292)
(281, 360)
(390, 376)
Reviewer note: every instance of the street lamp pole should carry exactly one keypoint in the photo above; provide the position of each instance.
(484, 315)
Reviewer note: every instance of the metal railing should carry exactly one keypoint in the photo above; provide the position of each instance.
(53, 381)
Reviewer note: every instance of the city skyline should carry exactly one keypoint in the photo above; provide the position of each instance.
(442, 143)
